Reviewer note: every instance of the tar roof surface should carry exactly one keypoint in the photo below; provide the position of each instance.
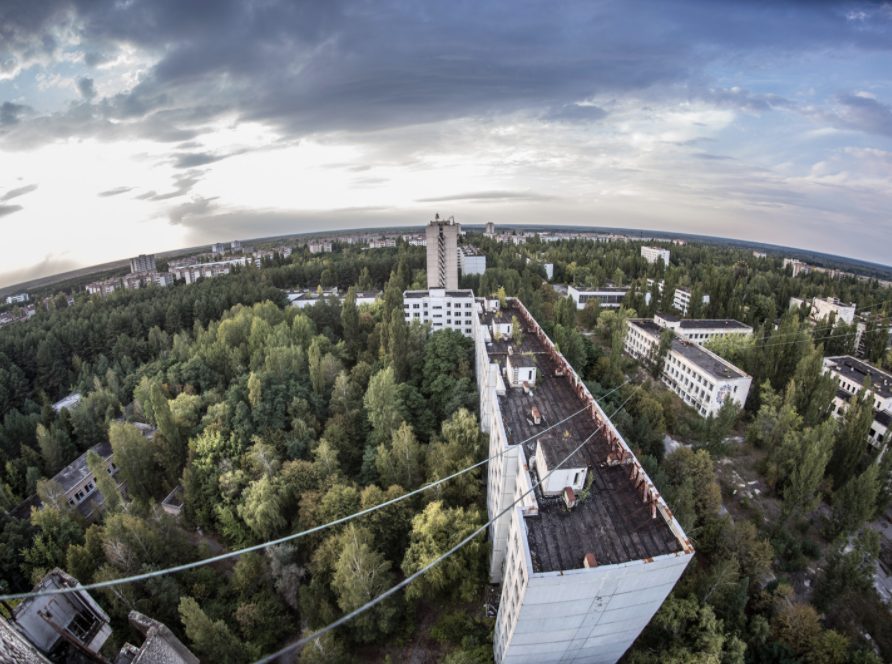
(712, 364)
(613, 522)
(713, 323)
(858, 371)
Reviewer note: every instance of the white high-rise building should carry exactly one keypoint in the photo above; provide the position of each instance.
(852, 376)
(442, 253)
(587, 558)
(142, 263)
(441, 309)
(653, 254)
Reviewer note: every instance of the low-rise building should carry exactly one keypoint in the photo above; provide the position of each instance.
(470, 261)
(310, 296)
(797, 266)
(104, 287)
(653, 254)
(70, 402)
(549, 270)
(701, 378)
(852, 376)
(759, 254)
(820, 308)
(235, 246)
(607, 297)
(681, 298)
(382, 243)
(218, 248)
(701, 330)
(441, 309)
(18, 298)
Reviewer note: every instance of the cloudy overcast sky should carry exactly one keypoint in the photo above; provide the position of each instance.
(136, 126)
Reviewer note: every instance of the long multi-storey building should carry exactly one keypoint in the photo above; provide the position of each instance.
(701, 330)
(607, 297)
(442, 253)
(470, 261)
(701, 378)
(589, 555)
(820, 308)
(441, 309)
(653, 254)
(143, 263)
(852, 376)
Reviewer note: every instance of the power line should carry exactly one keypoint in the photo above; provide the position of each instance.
(288, 538)
(405, 582)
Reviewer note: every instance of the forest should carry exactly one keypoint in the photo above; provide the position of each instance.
(274, 420)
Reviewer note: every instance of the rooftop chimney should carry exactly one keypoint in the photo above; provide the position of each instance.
(569, 497)
(590, 561)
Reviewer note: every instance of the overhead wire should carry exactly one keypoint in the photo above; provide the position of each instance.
(108, 583)
(409, 579)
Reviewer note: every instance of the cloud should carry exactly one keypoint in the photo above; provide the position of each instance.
(20, 191)
(487, 196)
(114, 192)
(86, 88)
(11, 113)
(51, 264)
(198, 206)
(9, 209)
(864, 113)
(577, 113)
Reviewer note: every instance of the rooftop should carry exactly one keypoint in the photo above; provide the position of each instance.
(602, 289)
(706, 360)
(712, 324)
(72, 474)
(427, 293)
(859, 371)
(612, 522)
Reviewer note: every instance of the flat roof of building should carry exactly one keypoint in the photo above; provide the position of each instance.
(709, 362)
(427, 293)
(712, 324)
(859, 371)
(601, 289)
(612, 522)
(77, 470)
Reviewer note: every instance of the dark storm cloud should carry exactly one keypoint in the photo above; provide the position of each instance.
(346, 66)
(9, 209)
(486, 196)
(20, 191)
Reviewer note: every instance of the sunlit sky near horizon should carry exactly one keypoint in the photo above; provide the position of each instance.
(133, 126)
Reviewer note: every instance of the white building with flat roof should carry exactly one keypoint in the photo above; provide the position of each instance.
(442, 253)
(319, 246)
(585, 559)
(607, 297)
(820, 308)
(853, 375)
(470, 261)
(701, 330)
(653, 254)
(19, 298)
(701, 378)
(441, 309)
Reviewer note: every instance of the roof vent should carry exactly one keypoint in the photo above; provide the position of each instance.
(590, 561)
(537, 416)
(569, 497)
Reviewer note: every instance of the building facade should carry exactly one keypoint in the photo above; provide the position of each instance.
(852, 375)
(143, 263)
(607, 297)
(470, 261)
(701, 330)
(441, 309)
(19, 298)
(820, 308)
(442, 253)
(319, 246)
(653, 254)
(588, 556)
(701, 378)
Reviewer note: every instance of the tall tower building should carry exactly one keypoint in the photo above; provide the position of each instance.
(142, 263)
(442, 253)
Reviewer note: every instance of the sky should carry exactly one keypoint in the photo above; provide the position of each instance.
(136, 126)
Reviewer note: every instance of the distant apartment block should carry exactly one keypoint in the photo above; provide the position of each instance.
(853, 375)
(308, 297)
(820, 308)
(382, 243)
(681, 299)
(607, 297)
(587, 557)
(415, 239)
(759, 254)
(19, 298)
(442, 253)
(549, 270)
(319, 246)
(653, 254)
(235, 246)
(105, 287)
(490, 230)
(218, 248)
(441, 309)
(470, 261)
(701, 378)
(142, 263)
(192, 273)
(260, 255)
(702, 330)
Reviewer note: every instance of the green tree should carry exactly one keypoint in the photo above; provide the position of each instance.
(360, 574)
(135, 456)
(383, 404)
(808, 463)
(56, 447)
(459, 448)
(398, 345)
(402, 462)
(436, 530)
(261, 508)
(855, 503)
(350, 322)
(852, 437)
(57, 529)
(848, 568)
(814, 388)
(105, 483)
(168, 439)
(212, 640)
